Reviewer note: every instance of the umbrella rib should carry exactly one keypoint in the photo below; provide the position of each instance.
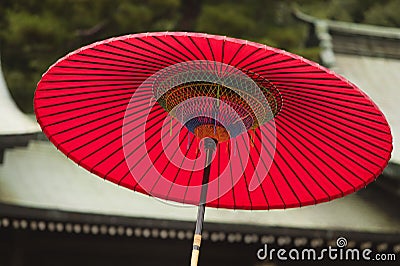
(123, 100)
(255, 171)
(244, 175)
(127, 143)
(236, 53)
(136, 60)
(176, 59)
(343, 146)
(327, 104)
(244, 58)
(267, 168)
(107, 133)
(134, 150)
(90, 122)
(311, 109)
(211, 50)
(168, 163)
(268, 56)
(130, 88)
(195, 44)
(180, 166)
(130, 65)
(133, 52)
(291, 169)
(85, 86)
(86, 114)
(191, 174)
(173, 48)
(184, 47)
(311, 161)
(232, 181)
(304, 106)
(316, 94)
(280, 170)
(78, 67)
(158, 156)
(89, 99)
(270, 70)
(54, 73)
(283, 87)
(330, 156)
(277, 83)
(347, 132)
(172, 59)
(351, 159)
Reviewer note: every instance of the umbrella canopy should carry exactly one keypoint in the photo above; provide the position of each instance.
(136, 109)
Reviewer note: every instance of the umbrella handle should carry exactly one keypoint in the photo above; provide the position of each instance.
(209, 147)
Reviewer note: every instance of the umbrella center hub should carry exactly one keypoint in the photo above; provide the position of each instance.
(212, 110)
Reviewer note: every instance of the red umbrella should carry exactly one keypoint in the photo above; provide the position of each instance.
(211, 120)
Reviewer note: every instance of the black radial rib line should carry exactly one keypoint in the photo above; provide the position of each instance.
(295, 121)
(166, 166)
(232, 181)
(121, 100)
(315, 93)
(142, 48)
(88, 131)
(291, 169)
(54, 73)
(301, 165)
(198, 48)
(130, 88)
(311, 110)
(88, 86)
(150, 149)
(136, 60)
(177, 58)
(247, 57)
(310, 161)
(267, 168)
(180, 166)
(283, 87)
(321, 125)
(265, 72)
(324, 126)
(255, 170)
(84, 80)
(268, 56)
(131, 65)
(121, 147)
(222, 55)
(244, 176)
(185, 47)
(259, 68)
(107, 133)
(328, 103)
(78, 67)
(190, 177)
(128, 62)
(296, 83)
(185, 57)
(236, 53)
(280, 170)
(134, 150)
(86, 114)
(272, 73)
(328, 155)
(88, 99)
(170, 57)
(210, 48)
(286, 78)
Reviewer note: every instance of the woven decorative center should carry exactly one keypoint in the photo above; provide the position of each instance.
(216, 101)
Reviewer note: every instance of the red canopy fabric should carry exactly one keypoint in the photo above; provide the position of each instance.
(97, 106)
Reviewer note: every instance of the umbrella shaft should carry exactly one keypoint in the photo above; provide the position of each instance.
(209, 147)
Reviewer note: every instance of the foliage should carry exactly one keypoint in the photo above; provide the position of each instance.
(34, 34)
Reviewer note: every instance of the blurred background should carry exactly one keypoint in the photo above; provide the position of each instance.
(55, 213)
